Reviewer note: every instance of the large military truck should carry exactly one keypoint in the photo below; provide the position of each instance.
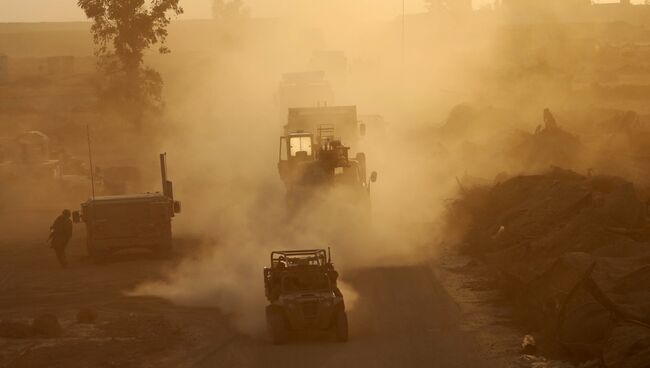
(119, 222)
(308, 165)
(301, 287)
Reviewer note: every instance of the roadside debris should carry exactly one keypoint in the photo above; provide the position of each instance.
(528, 345)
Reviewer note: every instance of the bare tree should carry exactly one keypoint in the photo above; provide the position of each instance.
(122, 31)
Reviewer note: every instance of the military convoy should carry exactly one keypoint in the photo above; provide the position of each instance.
(301, 287)
(119, 222)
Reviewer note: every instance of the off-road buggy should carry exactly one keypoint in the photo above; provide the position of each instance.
(301, 286)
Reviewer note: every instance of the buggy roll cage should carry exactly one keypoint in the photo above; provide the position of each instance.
(301, 257)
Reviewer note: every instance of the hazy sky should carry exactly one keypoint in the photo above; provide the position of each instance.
(67, 10)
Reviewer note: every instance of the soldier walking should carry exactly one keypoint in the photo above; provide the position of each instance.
(60, 233)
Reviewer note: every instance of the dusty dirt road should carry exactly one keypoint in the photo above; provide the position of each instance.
(403, 318)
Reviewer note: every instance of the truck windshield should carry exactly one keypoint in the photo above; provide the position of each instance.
(312, 281)
(300, 144)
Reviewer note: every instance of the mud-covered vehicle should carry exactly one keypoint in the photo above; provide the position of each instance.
(119, 222)
(301, 287)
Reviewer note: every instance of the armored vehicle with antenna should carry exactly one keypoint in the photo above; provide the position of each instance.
(119, 222)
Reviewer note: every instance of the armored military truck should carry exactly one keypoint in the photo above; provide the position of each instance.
(301, 287)
(307, 165)
(119, 222)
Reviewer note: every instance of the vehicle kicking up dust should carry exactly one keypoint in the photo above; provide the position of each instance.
(301, 288)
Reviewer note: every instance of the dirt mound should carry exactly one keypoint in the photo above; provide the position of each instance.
(572, 252)
(86, 316)
(629, 347)
(46, 325)
(15, 329)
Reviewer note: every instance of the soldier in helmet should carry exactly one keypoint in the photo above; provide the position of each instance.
(60, 233)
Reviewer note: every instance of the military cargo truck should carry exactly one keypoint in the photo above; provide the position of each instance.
(308, 165)
(119, 222)
(301, 287)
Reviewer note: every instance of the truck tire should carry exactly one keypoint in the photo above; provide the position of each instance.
(277, 327)
(341, 327)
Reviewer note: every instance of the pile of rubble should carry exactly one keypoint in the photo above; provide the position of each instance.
(573, 253)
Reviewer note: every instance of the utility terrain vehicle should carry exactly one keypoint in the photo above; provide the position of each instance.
(301, 287)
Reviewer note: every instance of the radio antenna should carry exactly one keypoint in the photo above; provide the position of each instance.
(90, 158)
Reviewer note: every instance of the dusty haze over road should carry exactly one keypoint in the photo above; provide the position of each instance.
(503, 141)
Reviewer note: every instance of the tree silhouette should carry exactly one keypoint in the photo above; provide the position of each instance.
(122, 31)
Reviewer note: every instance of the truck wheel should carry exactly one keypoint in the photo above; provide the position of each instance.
(341, 327)
(277, 327)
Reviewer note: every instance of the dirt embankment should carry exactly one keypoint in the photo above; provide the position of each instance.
(572, 252)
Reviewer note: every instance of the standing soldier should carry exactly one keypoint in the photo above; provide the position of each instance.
(60, 233)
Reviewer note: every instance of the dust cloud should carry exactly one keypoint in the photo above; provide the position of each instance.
(224, 164)
(461, 97)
